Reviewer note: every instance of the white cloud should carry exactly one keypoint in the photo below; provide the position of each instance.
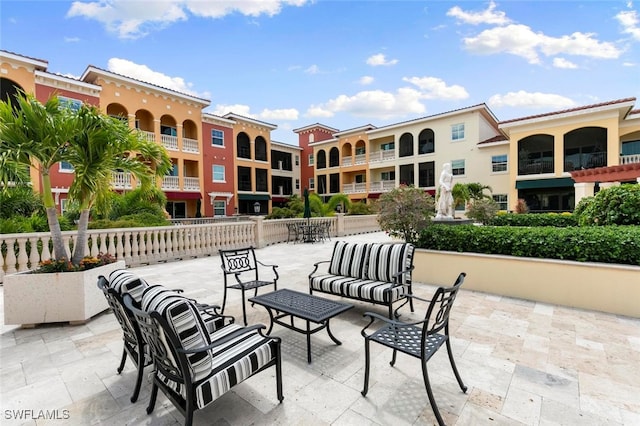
(520, 40)
(372, 104)
(487, 16)
(135, 19)
(380, 59)
(365, 80)
(239, 109)
(313, 69)
(146, 74)
(71, 39)
(630, 23)
(435, 88)
(279, 114)
(266, 114)
(563, 63)
(530, 100)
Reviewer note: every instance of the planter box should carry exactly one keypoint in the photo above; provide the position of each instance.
(31, 299)
(600, 287)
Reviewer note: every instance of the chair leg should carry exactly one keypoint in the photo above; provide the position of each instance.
(224, 300)
(432, 400)
(152, 398)
(279, 372)
(455, 369)
(393, 358)
(123, 360)
(188, 414)
(366, 367)
(244, 309)
(136, 390)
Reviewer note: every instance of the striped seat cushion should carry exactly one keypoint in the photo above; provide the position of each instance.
(329, 283)
(373, 290)
(385, 260)
(349, 259)
(232, 363)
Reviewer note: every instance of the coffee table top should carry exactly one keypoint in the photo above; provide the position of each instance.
(301, 305)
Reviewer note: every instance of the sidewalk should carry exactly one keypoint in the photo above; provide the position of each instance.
(525, 363)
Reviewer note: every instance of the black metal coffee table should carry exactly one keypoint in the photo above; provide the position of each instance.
(290, 303)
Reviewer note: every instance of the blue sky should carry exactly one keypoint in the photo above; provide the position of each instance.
(345, 63)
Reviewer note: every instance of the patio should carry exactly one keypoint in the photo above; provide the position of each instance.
(524, 363)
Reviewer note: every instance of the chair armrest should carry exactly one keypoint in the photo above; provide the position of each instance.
(273, 267)
(223, 340)
(315, 266)
(374, 316)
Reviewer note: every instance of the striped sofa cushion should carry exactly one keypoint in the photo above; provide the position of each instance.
(233, 362)
(330, 283)
(184, 319)
(349, 259)
(374, 290)
(385, 260)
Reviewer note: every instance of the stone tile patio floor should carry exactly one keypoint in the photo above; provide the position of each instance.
(525, 363)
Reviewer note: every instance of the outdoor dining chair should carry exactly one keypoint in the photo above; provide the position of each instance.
(420, 339)
(249, 274)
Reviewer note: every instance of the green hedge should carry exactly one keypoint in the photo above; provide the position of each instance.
(535, 219)
(607, 244)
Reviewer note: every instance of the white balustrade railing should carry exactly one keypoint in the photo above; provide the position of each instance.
(170, 182)
(382, 186)
(191, 184)
(351, 188)
(138, 246)
(346, 161)
(149, 136)
(385, 155)
(190, 145)
(170, 142)
(121, 180)
(361, 159)
(629, 159)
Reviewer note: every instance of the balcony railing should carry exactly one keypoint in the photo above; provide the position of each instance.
(351, 188)
(382, 186)
(377, 156)
(537, 166)
(584, 161)
(149, 136)
(346, 161)
(191, 184)
(170, 142)
(361, 159)
(121, 180)
(190, 145)
(171, 183)
(630, 159)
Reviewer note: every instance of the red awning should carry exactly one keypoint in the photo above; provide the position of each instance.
(173, 195)
(280, 199)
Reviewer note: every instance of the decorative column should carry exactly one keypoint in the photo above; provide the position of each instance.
(583, 189)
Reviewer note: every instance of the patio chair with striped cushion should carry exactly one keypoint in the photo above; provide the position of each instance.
(193, 367)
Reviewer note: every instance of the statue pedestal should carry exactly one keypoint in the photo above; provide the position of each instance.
(451, 221)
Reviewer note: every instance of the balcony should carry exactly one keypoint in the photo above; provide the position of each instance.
(629, 159)
(191, 184)
(121, 180)
(169, 142)
(378, 156)
(536, 166)
(171, 183)
(584, 161)
(190, 145)
(149, 136)
(354, 188)
(346, 161)
(382, 186)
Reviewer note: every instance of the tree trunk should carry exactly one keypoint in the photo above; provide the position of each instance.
(59, 251)
(81, 239)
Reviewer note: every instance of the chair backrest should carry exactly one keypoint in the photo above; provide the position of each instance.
(387, 259)
(349, 259)
(239, 260)
(130, 331)
(437, 316)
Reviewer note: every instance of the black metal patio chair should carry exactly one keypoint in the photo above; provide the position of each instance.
(420, 339)
(249, 274)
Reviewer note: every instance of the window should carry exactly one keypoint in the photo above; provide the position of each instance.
(360, 150)
(261, 180)
(297, 183)
(312, 183)
(360, 178)
(64, 205)
(389, 146)
(73, 104)
(388, 175)
(218, 173)
(297, 160)
(499, 163)
(168, 130)
(501, 199)
(217, 137)
(426, 174)
(66, 167)
(457, 167)
(457, 132)
(311, 159)
(219, 208)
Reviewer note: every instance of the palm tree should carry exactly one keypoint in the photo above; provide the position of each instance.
(94, 144)
(323, 209)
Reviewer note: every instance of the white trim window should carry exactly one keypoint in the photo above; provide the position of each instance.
(219, 208)
(311, 160)
(457, 132)
(458, 168)
(312, 183)
(73, 104)
(297, 183)
(297, 160)
(499, 163)
(218, 173)
(217, 137)
(502, 201)
(65, 167)
(64, 205)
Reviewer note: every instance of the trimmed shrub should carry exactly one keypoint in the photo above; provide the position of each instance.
(361, 208)
(535, 219)
(618, 205)
(404, 211)
(482, 210)
(610, 244)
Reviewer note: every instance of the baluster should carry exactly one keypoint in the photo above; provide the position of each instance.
(156, 246)
(23, 259)
(119, 246)
(127, 255)
(134, 248)
(169, 243)
(67, 241)
(142, 245)
(11, 257)
(34, 256)
(46, 251)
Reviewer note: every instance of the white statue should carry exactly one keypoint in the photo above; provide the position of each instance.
(444, 206)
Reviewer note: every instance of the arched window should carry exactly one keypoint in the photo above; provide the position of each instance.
(585, 148)
(406, 145)
(535, 155)
(426, 142)
(321, 161)
(334, 157)
(261, 149)
(243, 145)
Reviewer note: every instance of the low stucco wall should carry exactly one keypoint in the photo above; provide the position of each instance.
(607, 288)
